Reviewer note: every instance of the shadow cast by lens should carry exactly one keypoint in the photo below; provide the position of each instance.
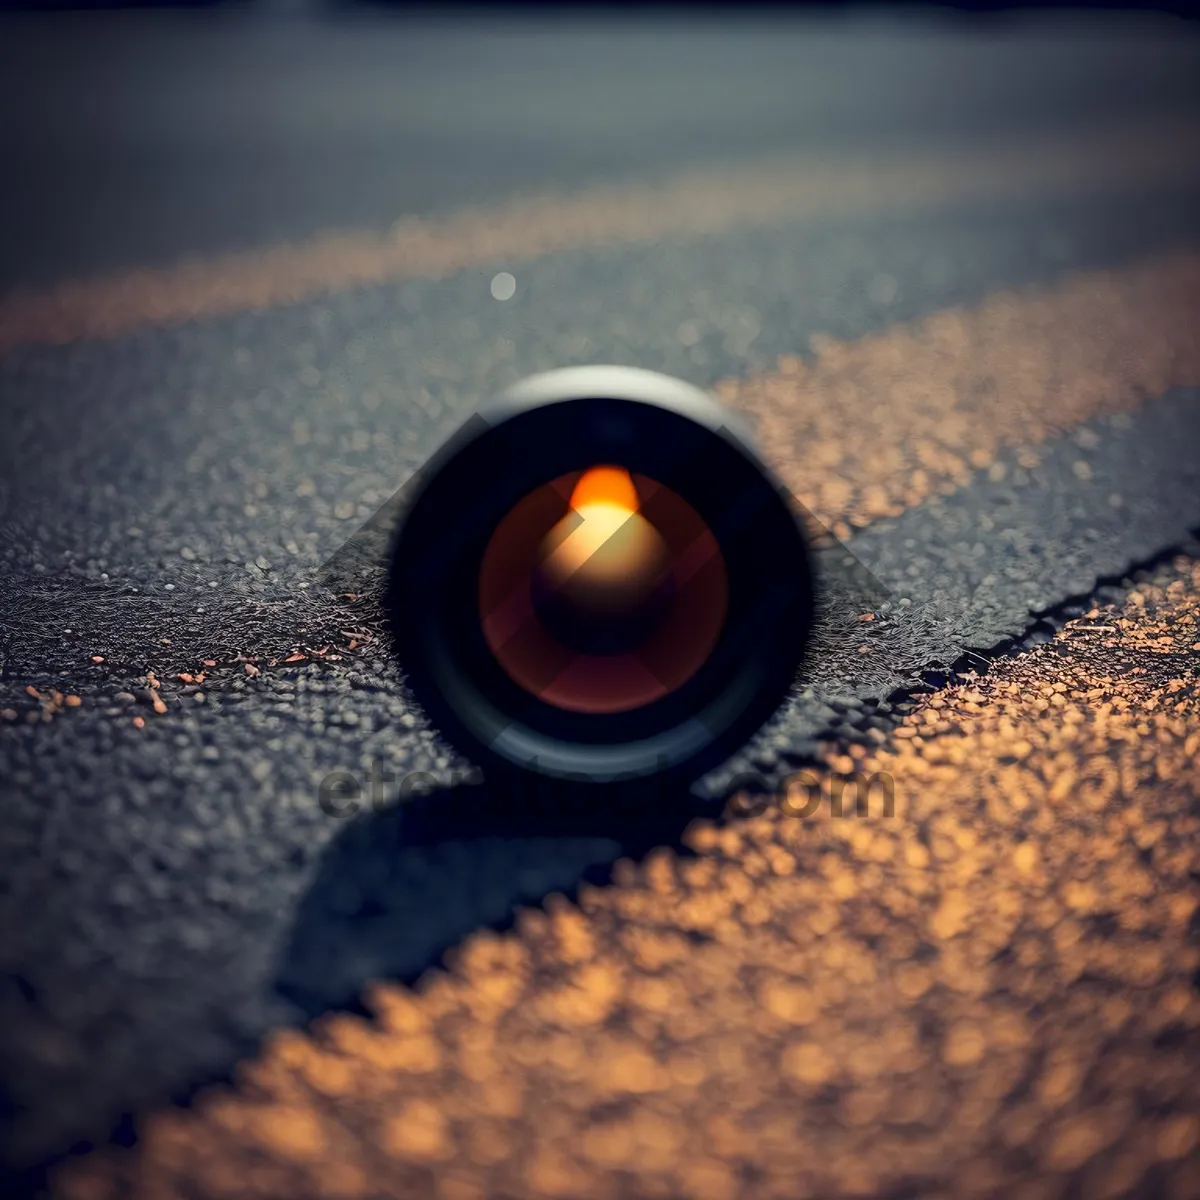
(397, 888)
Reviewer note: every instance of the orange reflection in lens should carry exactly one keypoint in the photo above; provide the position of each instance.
(604, 572)
(602, 591)
(605, 487)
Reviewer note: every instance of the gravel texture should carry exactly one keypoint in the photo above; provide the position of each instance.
(987, 986)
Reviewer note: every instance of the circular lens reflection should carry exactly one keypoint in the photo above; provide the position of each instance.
(602, 591)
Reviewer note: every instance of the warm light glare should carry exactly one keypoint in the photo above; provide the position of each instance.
(605, 485)
(604, 505)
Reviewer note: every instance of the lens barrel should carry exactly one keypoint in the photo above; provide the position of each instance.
(598, 580)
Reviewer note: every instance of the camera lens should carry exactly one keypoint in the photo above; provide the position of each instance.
(597, 579)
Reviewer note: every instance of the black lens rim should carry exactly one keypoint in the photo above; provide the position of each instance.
(549, 426)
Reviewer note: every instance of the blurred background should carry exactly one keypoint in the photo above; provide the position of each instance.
(140, 135)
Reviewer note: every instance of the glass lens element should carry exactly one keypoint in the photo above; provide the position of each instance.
(602, 591)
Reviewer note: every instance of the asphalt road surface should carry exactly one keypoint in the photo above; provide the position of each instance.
(950, 272)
